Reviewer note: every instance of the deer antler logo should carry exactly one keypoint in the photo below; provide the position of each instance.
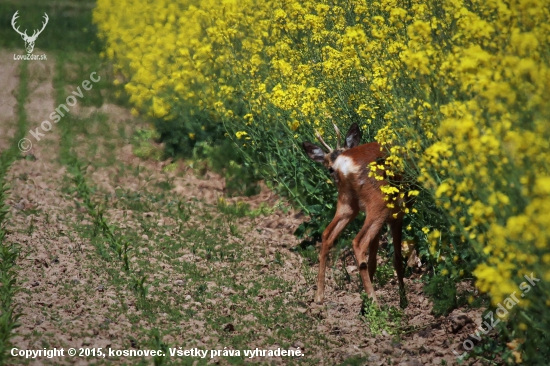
(29, 41)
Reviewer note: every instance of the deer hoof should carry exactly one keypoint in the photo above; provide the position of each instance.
(319, 299)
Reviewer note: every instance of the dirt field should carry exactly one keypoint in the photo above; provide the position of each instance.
(130, 254)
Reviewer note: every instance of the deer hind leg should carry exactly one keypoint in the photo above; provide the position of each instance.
(396, 231)
(373, 250)
(344, 214)
(362, 243)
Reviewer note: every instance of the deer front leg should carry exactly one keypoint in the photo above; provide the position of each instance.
(344, 214)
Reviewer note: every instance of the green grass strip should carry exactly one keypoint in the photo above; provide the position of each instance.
(9, 252)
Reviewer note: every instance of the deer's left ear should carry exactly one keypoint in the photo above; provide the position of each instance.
(314, 152)
(353, 137)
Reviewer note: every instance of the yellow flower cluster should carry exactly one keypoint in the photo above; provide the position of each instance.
(489, 162)
(455, 90)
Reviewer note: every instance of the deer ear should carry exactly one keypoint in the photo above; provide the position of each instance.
(314, 152)
(353, 137)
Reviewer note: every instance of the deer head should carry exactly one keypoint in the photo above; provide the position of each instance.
(29, 40)
(316, 153)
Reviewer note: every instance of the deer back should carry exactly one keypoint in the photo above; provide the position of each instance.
(351, 169)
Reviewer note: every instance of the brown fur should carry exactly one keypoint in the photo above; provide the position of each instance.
(359, 192)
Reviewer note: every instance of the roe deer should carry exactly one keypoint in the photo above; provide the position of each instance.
(349, 167)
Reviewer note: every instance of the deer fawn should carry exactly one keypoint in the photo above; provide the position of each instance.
(349, 167)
